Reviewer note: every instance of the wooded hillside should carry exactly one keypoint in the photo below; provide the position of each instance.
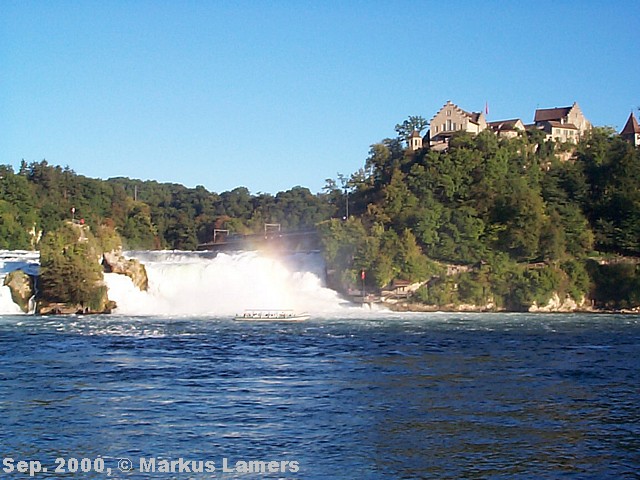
(525, 222)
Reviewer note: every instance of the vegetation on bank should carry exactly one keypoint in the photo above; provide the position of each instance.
(522, 223)
(520, 220)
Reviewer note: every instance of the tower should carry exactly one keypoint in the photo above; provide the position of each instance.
(415, 141)
(631, 131)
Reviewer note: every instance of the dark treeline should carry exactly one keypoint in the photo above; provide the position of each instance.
(523, 222)
(146, 214)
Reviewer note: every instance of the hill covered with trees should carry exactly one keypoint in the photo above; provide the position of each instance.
(519, 223)
(146, 214)
(523, 223)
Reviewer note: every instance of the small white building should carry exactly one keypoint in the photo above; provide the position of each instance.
(507, 128)
(415, 141)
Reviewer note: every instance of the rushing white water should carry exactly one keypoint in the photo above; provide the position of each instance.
(200, 283)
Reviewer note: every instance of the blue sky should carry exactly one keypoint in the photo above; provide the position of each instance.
(274, 94)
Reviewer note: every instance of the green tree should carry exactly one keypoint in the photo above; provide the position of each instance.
(520, 211)
(138, 230)
(18, 213)
(70, 271)
(412, 124)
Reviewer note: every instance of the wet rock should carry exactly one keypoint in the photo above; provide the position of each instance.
(21, 286)
(115, 262)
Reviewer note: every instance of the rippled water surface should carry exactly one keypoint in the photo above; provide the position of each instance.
(377, 397)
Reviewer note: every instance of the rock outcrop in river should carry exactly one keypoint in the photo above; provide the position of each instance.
(115, 262)
(21, 286)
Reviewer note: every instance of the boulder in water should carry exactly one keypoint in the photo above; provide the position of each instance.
(115, 262)
(21, 286)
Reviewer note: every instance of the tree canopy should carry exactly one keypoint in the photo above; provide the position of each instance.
(146, 214)
(523, 220)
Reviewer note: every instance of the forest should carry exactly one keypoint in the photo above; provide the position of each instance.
(522, 217)
(146, 214)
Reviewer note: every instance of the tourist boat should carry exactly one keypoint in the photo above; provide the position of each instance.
(272, 315)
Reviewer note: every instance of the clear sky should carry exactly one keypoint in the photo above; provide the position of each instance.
(274, 94)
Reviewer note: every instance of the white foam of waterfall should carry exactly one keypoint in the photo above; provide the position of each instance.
(196, 283)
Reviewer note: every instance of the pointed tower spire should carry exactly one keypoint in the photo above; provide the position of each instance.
(631, 131)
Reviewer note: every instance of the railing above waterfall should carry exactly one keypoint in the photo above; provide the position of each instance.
(295, 241)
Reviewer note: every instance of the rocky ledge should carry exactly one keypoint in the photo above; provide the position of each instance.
(21, 286)
(115, 262)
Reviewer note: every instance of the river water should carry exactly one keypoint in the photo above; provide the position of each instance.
(373, 395)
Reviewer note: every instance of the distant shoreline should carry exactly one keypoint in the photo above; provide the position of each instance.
(424, 308)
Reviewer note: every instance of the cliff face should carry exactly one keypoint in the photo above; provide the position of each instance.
(67, 308)
(21, 286)
(555, 305)
(559, 305)
(115, 262)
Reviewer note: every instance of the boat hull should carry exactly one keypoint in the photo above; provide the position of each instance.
(272, 316)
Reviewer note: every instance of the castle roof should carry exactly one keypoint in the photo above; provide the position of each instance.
(473, 117)
(557, 124)
(631, 127)
(504, 124)
(547, 114)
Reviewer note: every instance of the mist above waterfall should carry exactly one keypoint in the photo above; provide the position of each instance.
(201, 283)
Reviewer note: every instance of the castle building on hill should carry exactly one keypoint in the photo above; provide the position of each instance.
(451, 119)
(562, 124)
(507, 128)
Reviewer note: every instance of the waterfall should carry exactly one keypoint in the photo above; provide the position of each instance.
(202, 283)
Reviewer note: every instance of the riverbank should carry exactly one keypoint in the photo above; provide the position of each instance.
(424, 308)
